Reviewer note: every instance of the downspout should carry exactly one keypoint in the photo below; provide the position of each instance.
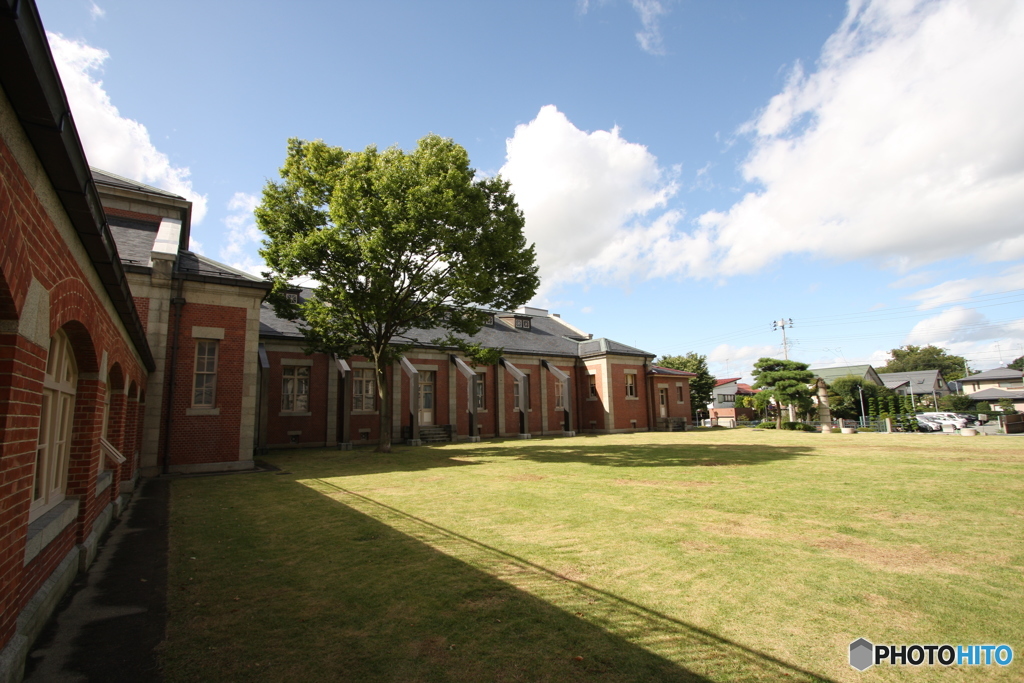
(649, 381)
(178, 302)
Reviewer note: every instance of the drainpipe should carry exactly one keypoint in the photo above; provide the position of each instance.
(178, 302)
(649, 382)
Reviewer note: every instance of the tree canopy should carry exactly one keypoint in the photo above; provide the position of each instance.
(702, 386)
(845, 393)
(1017, 364)
(786, 381)
(910, 358)
(394, 242)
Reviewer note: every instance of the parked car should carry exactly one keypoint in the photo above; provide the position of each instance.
(926, 425)
(972, 420)
(946, 418)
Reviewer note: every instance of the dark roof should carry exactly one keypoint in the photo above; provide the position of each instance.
(997, 373)
(191, 262)
(548, 335)
(659, 370)
(30, 82)
(134, 238)
(833, 373)
(921, 381)
(994, 394)
(112, 179)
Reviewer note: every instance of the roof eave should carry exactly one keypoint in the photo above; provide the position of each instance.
(30, 81)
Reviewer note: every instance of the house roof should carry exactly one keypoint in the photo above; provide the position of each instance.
(746, 389)
(920, 381)
(897, 383)
(107, 178)
(864, 371)
(548, 335)
(997, 373)
(727, 380)
(659, 370)
(996, 394)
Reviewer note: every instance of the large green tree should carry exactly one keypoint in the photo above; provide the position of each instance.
(1018, 364)
(394, 242)
(910, 358)
(844, 395)
(786, 381)
(702, 386)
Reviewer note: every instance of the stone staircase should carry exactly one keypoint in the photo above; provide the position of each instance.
(432, 434)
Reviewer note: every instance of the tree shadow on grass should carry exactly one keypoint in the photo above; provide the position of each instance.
(336, 586)
(652, 455)
(330, 463)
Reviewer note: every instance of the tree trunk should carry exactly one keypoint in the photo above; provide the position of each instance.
(384, 394)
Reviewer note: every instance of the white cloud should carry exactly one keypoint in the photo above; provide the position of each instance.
(967, 332)
(1009, 279)
(649, 36)
(727, 360)
(585, 197)
(112, 142)
(96, 12)
(242, 234)
(906, 145)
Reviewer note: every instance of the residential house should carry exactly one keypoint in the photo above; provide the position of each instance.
(917, 384)
(723, 406)
(996, 385)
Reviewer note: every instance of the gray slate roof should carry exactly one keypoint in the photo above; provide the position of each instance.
(862, 371)
(114, 180)
(191, 262)
(548, 336)
(134, 238)
(921, 381)
(994, 394)
(997, 373)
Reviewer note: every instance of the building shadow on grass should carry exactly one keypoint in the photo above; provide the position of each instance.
(651, 455)
(506, 618)
(331, 463)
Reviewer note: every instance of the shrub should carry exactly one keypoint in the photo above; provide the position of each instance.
(798, 427)
(766, 425)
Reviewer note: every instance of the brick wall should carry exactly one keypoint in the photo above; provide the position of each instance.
(33, 248)
(202, 439)
(313, 428)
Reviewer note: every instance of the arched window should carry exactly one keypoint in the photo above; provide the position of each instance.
(54, 442)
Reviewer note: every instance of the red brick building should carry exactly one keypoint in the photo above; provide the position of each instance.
(122, 353)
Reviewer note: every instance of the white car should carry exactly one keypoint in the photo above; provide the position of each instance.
(946, 418)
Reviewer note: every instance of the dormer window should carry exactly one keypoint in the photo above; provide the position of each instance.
(490, 320)
(292, 297)
(522, 323)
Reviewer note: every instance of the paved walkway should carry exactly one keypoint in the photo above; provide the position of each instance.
(108, 626)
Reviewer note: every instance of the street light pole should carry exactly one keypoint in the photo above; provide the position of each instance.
(863, 413)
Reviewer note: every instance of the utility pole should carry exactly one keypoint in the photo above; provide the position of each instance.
(777, 324)
(782, 324)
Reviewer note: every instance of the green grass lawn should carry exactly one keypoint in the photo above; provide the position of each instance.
(729, 555)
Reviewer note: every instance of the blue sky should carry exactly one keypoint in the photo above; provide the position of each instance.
(689, 171)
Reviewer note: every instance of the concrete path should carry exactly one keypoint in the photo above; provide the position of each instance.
(108, 627)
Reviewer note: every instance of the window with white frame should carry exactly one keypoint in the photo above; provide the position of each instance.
(679, 394)
(53, 445)
(726, 398)
(363, 391)
(631, 385)
(204, 386)
(592, 379)
(295, 388)
(481, 393)
(560, 394)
